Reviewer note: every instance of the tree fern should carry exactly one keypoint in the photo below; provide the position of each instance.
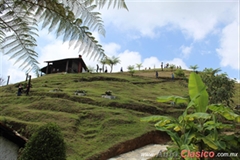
(72, 19)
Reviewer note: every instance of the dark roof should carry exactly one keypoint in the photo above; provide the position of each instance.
(12, 135)
(64, 60)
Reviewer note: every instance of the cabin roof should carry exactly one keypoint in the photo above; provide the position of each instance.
(63, 60)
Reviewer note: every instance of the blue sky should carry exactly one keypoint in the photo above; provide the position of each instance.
(178, 32)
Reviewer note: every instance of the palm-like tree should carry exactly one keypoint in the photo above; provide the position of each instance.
(71, 19)
(211, 71)
(139, 65)
(194, 67)
(113, 61)
(103, 61)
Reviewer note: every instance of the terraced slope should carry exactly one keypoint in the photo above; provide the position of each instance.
(90, 124)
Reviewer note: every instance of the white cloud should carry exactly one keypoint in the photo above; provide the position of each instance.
(151, 62)
(111, 49)
(194, 19)
(186, 50)
(177, 62)
(127, 58)
(229, 46)
(9, 69)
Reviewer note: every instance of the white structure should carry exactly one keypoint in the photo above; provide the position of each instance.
(10, 142)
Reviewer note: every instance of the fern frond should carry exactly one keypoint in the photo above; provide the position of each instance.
(20, 40)
(69, 18)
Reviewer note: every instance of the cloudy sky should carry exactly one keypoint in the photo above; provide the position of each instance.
(183, 33)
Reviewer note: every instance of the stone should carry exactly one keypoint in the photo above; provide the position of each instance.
(108, 96)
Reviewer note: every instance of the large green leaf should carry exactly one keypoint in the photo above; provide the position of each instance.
(196, 86)
(197, 115)
(175, 99)
(210, 125)
(225, 112)
(174, 135)
(214, 144)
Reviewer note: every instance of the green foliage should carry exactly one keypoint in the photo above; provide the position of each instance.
(131, 69)
(197, 128)
(194, 67)
(70, 19)
(46, 143)
(172, 66)
(219, 87)
(139, 65)
(112, 61)
(180, 73)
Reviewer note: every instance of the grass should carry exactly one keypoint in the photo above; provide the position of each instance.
(92, 124)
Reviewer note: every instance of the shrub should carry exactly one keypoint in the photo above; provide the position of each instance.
(131, 69)
(46, 143)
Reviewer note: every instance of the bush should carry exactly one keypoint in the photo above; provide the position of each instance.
(46, 143)
(131, 69)
(180, 73)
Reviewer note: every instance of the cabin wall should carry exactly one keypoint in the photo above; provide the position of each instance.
(8, 149)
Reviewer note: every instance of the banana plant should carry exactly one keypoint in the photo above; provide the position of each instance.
(197, 129)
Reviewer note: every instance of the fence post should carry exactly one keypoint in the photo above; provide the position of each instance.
(29, 82)
(8, 80)
(26, 76)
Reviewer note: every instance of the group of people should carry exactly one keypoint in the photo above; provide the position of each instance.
(20, 90)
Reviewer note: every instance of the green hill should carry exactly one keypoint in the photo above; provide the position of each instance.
(92, 124)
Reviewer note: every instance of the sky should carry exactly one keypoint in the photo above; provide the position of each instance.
(184, 33)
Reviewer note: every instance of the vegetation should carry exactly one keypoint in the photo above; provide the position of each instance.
(194, 68)
(90, 121)
(220, 88)
(180, 73)
(71, 19)
(103, 61)
(198, 128)
(46, 143)
(139, 66)
(113, 61)
(131, 69)
(172, 66)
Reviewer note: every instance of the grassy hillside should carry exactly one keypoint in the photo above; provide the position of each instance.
(92, 124)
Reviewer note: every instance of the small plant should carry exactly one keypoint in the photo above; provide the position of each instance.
(109, 93)
(180, 73)
(172, 66)
(46, 143)
(139, 66)
(131, 69)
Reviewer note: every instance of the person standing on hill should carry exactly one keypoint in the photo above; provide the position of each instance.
(20, 89)
(172, 76)
(97, 68)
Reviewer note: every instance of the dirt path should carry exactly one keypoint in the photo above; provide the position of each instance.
(143, 153)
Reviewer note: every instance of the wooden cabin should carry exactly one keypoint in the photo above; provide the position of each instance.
(68, 65)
